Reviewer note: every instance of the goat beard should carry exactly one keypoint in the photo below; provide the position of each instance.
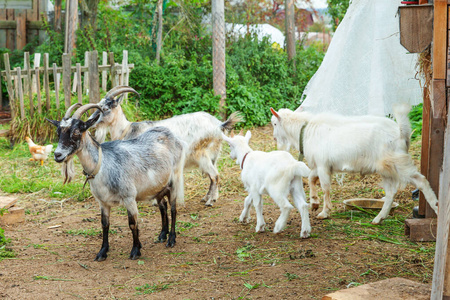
(68, 170)
(100, 133)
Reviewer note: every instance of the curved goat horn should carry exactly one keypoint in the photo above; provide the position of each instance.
(84, 109)
(71, 109)
(119, 90)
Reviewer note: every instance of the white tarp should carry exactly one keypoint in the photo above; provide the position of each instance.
(365, 69)
(260, 30)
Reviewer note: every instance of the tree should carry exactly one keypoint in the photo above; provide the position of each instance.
(337, 10)
(89, 10)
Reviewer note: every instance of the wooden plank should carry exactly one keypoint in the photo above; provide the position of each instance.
(421, 230)
(36, 64)
(416, 27)
(104, 73)
(21, 30)
(10, 34)
(7, 201)
(46, 82)
(3, 32)
(441, 280)
(75, 81)
(9, 85)
(79, 90)
(86, 74)
(94, 93)
(66, 79)
(424, 155)
(440, 40)
(55, 78)
(393, 288)
(57, 19)
(12, 216)
(29, 87)
(12, 25)
(112, 69)
(124, 75)
(20, 94)
(38, 90)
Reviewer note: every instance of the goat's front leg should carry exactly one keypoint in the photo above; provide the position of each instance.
(105, 211)
(314, 195)
(172, 234)
(245, 215)
(325, 183)
(162, 204)
(132, 222)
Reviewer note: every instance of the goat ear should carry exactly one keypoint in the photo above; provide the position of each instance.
(225, 138)
(275, 113)
(232, 133)
(241, 132)
(92, 120)
(56, 123)
(248, 135)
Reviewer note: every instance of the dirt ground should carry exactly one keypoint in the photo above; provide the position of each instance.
(215, 257)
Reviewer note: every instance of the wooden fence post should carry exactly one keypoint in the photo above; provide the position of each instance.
(20, 93)
(79, 90)
(112, 69)
(9, 83)
(38, 89)
(94, 93)
(55, 78)
(86, 73)
(37, 62)
(104, 73)
(66, 79)
(46, 82)
(29, 82)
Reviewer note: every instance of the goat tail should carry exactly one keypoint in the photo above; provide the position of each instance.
(234, 118)
(401, 111)
(301, 169)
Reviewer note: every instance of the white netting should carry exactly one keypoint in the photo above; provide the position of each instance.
(365, 69)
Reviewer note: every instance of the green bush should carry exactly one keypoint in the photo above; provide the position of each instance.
(5, 252)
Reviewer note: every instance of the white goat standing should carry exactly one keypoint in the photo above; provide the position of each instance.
(201, 132)
(365, 144)
(275, 173)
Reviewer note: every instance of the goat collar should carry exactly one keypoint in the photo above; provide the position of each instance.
(242, 163)
(300, 143)
(97, 167)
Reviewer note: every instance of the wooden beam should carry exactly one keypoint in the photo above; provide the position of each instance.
(425, 146)
(117, 69)
(29, 24)
(440, 40)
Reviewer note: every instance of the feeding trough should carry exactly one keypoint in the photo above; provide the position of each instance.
(367, 204)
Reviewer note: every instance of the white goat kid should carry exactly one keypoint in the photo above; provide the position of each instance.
(201, 132)
(364, 144)
(275, 173)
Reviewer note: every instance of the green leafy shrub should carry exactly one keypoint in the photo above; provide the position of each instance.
(415, 117)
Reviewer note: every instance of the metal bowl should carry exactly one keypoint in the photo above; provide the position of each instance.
(367, 204)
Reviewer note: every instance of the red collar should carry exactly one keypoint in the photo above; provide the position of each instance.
(242, 164)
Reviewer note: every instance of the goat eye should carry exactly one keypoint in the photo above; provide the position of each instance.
(76, 133)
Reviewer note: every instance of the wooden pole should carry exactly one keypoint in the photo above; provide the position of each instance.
(57, 21)
(104, 73)
(66, 79)
(46, 82)
(37, 63)
(38, 90)
(20, 93)
(94, 93)
(86, 74)
(112, 69)
(290, 28)
(218, 34)
(79, 90)
(9, 85)
(30, 82)
(159, 33)
(55, 78)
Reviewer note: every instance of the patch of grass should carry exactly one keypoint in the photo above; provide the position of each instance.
(150, 289)
(5, 252)
(183, 226)
(291, 276)
(39, 277)
(244, 252)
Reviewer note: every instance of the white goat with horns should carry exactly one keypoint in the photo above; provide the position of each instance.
(364, 144)
(200, 131)
(276, 173)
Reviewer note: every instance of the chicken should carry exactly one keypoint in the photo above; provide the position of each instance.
(38, 152)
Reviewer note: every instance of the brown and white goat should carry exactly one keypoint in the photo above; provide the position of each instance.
(364, 144)
(201, 132)
(123, 172)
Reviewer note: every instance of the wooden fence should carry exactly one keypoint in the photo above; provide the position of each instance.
(28, 82)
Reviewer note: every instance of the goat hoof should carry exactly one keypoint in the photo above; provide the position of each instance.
(100, 258)
(135, 256)
(322, 216)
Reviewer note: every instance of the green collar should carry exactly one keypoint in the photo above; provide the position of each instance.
(300, 143)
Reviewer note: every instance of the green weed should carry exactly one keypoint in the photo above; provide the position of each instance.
(150, 289)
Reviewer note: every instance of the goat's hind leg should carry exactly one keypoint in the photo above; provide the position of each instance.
(133, 224)
(390, 188)
(285, 208)
(298, 194)
(102, 254)
(424, 186)
(173, 212)
(314, 196)
(258, 204)
(325, 183)
(162, 204)
(208, 166)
